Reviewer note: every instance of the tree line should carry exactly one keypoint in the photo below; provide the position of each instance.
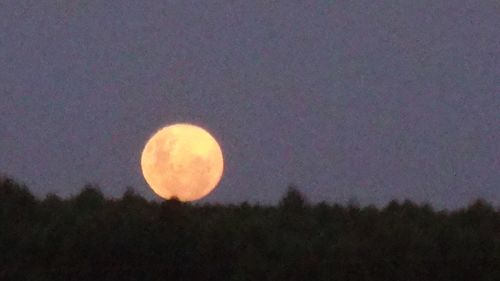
(91, 237)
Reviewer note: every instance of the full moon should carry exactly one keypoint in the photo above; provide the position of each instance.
(182, 161)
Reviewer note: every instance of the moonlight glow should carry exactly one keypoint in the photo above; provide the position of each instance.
(182, 161)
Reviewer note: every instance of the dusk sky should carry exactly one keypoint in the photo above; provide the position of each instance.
(373, 100)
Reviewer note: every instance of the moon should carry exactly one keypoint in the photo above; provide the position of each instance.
(182, 161)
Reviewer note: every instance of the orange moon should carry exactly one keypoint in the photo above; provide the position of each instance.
(182, 161)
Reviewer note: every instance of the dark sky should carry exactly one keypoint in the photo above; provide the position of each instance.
(373, 100)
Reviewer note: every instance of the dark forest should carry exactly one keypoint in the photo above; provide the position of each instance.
(91, 237)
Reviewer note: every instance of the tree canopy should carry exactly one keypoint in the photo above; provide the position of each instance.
(90, 237)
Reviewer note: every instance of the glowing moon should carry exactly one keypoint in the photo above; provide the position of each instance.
(182, 161)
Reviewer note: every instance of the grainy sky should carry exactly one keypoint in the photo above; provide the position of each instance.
(374, 100)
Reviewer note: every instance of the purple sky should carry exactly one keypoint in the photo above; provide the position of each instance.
(376, 100)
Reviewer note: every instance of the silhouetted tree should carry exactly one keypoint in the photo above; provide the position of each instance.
(293, 199)
(90, 237)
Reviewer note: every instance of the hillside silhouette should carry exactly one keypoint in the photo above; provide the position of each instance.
(90, 237)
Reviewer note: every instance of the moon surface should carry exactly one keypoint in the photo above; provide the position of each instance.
(182, 161)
